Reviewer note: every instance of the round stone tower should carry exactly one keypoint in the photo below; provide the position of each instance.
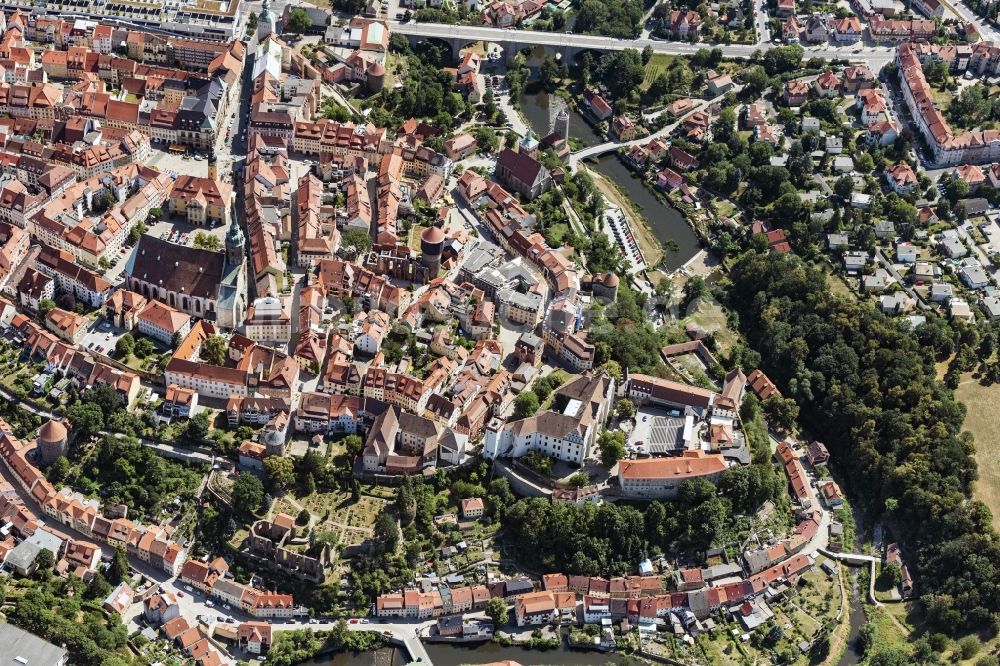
(431, 247)
(53, 441)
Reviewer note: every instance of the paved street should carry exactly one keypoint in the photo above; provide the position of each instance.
(988, 32)
(761, 20)
(822, 536)
(900, 281)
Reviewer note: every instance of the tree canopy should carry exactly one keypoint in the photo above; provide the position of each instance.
(611, 18)
(867, 384)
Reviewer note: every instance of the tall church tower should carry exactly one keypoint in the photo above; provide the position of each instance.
(235, 245)
(265, 22)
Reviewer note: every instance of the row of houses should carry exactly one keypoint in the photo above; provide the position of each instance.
(949, 148)
(210, 577)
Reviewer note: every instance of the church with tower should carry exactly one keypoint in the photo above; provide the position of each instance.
(207, 284)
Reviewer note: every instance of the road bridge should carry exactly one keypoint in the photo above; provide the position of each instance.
(569, 45)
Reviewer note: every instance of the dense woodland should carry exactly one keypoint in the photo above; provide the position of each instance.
(611, 18)
(66, 611)
(894, 430)
(122, 471)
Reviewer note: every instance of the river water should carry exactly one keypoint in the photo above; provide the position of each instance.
(666, 222)
(852, 655)
(482, 653)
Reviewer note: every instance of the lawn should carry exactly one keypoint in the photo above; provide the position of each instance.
(983, 421)
(337, 512)
(656, 66)
(942, 98)
(886, 631)
(710, 316)
(415, 232)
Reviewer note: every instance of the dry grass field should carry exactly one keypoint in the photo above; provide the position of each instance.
(983, 421)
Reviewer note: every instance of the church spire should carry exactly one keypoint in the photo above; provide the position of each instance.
(265, 22)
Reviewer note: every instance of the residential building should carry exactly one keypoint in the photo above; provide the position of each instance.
(163, 323)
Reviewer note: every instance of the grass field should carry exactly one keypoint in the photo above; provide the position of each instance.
(656, 65)
(983, 421)
(709, 314)
(336, 512)
(414, 240)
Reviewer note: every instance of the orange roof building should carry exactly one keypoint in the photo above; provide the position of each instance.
(661, 477)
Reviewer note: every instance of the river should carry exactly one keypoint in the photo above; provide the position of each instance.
(852, 654)
(666, 222)
(483, 653)
(384, 657)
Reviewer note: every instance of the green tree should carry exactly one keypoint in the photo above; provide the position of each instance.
(956, 189)
(356, 238)
(98, 588)
(612, 446)
(206, 241)
(625, 409)
(525, 404)
(486, 139)
(248, 493)
(782, 412)
(136, 232)
(386, 532)
(45, 307)
(280, 472)
(549, 73)
(497, 611)
(969, 647)
(44, 562)
(214, 349)
(354, 445)
(844, 187)
(694, 288)
(87, 419)
(118, 571)
(251, 25)
(579, 480)
(125, 346)
(59, 470)
(143, 347)
(105, 397)
(298, 21)
(197, 427)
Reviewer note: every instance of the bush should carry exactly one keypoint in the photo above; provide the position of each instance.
(969, 647)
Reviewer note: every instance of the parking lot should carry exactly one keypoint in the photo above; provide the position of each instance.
(175, 164)
(657, 431)
(183, 233)
(102, 338)
(621, 232)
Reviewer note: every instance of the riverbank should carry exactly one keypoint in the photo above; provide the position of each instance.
(652, 250)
